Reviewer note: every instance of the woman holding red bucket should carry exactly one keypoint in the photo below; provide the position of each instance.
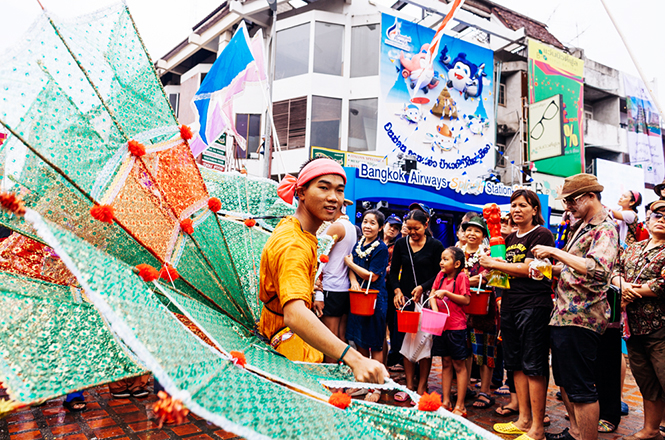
(525, 314)
(367, 265)
(416, 257)
(482, 323)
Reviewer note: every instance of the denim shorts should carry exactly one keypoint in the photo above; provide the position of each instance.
(574, 353)
(452, 343)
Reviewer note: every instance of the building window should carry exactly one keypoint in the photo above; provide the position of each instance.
(362, 124)
(500, 159)
(588, 112)
(249, 127)
(365, 48)
(292, 52)
(291, 122)
(174, 99)
(326, 118)
(502, 94)
(328, 48)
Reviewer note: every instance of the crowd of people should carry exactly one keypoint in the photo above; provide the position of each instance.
(577, 317)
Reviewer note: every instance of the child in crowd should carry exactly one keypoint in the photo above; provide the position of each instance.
(451, 287)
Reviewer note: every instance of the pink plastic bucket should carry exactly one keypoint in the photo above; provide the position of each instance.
(434, 322)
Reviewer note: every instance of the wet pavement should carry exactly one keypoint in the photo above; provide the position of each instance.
(125, 419)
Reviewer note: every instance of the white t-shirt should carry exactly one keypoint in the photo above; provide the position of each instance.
(628, 218)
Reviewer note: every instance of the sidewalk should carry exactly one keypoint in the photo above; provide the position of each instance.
(133, 419)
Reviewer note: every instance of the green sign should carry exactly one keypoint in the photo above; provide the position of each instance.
(337, 156)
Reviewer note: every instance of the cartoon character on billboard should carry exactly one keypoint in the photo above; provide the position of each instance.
(463, 75)
(443, 139)
(411, 113)
(416, 69)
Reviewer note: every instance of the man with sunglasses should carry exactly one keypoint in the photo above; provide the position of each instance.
(581, 310)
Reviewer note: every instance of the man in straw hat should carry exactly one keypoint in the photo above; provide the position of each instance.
(288, 266)
(581, 311)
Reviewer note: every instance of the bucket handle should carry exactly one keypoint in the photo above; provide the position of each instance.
(407, 302)
(369, 283)
(480, 283)
(444, 302)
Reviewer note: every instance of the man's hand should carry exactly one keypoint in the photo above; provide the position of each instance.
(541, 252)
(364, 369)
(416, 292)
(317, 308)
(355, 285)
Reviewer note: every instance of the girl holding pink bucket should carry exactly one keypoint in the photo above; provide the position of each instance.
(451, 293)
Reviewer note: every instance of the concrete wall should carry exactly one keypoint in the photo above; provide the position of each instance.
(509, 114)
(607, 111)
(601, 76)
(605, 136)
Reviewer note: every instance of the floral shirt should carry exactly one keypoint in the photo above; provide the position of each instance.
(581, 299)
(645, 315)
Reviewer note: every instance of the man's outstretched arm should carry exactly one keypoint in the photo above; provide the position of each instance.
(303, 322)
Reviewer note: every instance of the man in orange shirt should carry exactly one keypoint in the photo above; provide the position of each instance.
(288, 266)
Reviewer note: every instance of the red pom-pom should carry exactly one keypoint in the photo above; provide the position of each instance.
(340, 400)
(187, 225)
(135, 148)
(324, 259)
(169, 410)
(103, 213)
(250, 222)
(12, 203)
(185, 132)
(147, 272)
(214, 204)
(238, 358)
(429, 402)
(168, 273)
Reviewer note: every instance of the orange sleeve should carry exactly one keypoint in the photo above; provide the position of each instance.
(295, 274)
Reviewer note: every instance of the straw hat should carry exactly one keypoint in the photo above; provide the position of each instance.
(579, 184)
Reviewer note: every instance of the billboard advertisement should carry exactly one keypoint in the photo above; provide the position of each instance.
(553, 72)
(546, 128)
(645, 144)
(442, 116)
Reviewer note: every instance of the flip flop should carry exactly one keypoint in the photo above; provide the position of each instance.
(77, 404)
(662, 429)
(524, 437)
(401, 396)
(546, 421)
(375, 394)
(502, 391)
(604, 426)
(357, 392)
(484, 404)
(507, 428)
(460, 412)
(510, 412)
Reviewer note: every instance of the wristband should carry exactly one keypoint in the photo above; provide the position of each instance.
(318, 296)
(341, 358)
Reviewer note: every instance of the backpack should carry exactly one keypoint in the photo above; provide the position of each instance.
(636, 232)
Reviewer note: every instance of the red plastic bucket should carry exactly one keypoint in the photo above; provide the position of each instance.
(480, 303)
(407, 322)
(363, 301)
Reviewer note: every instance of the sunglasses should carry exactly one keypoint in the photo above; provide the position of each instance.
(573, 201)
(656, 216)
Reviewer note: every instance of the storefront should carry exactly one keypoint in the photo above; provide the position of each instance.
(392, 191)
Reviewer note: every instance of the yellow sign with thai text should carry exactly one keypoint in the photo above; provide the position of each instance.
(556, 58)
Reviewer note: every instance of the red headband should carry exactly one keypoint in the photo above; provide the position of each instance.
(635, 195)
(316, 168)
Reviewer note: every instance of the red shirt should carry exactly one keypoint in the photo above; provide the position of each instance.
(457, 318)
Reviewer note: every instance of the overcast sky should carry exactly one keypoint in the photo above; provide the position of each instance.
(581, 23)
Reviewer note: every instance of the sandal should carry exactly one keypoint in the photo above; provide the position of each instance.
(460, 412)
(139, 394)
(502, 391)
(546, 421)
(77, 404)
(507, 428)
(373, 397)
(401, 396)
(507, 412)
(483, 404)
(605, 426)
(662, 429)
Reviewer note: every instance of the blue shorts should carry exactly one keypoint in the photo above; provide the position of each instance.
(453, 344)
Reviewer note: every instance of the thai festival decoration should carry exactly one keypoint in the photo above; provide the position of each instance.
(152, 262)
(438, 101)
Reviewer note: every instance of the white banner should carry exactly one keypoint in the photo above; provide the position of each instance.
(645, 144)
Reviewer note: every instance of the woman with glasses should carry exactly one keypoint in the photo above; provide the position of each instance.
(639, 275)
(626, 217)
(525, 315)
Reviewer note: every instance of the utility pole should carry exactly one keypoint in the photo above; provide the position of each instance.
(267, 145)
